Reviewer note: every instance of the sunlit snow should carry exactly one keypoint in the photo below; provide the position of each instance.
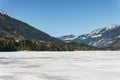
(83, 65)
(94, 36)
(4, 13)
(112, 26)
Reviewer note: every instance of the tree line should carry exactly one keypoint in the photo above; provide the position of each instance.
(11, 44)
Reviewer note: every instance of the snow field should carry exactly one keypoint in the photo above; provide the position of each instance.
(79, 65)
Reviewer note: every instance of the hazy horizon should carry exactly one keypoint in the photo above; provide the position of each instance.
(64, 17)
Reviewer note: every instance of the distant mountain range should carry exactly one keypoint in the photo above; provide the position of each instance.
(104, 37)
(13, 28)
(16, 35)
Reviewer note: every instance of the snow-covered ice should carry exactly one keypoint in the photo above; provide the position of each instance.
(81, 65)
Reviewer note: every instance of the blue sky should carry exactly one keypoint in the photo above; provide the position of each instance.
(62, 17)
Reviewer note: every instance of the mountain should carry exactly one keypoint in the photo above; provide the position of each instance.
(116, 43)
(67, 38)
(13, 28)
(103, 37)
(16, 35)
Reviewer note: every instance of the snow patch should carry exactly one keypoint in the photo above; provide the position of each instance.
(94, 36)
(118, 36)
(67, 37)
(97, 31)
(84, 38)
(111, 41)
(70, 38)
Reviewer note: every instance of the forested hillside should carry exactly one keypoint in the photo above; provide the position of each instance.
(11, 44)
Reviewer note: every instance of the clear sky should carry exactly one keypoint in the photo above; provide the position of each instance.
(62, 17)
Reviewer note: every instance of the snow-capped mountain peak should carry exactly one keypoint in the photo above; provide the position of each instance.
(4, 13)
(113, 26)
(100, 37)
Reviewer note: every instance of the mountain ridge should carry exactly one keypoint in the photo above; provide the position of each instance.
(102, 37)
(11, 27)
(14, 28)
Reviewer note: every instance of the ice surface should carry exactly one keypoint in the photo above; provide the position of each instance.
(81, 65)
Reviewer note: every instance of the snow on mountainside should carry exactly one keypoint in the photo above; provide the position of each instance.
(100, 37)
(103, 37)
(67, 38)
(4, 13)
(95, 32)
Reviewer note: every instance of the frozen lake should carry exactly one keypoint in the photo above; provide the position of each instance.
(83, 65)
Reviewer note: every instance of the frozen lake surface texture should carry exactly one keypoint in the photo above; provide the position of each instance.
(83, 65)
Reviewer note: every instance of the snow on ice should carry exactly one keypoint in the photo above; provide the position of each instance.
(81, 65)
